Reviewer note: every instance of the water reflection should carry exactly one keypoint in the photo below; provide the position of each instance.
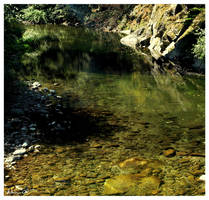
(59, 51)
(94, 66)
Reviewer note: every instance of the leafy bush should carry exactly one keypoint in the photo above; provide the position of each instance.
(33, 15)
(198, 49)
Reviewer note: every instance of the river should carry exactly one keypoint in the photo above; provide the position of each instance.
(136, 114)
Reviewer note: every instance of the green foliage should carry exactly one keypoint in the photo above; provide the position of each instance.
(58, 14)
(192, 13)
(40, 13)
(14, 46)
(198, 49)
(33, 15)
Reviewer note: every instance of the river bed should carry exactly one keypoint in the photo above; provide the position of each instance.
(138, 128)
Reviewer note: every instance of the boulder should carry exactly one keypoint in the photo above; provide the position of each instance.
(120, 184)
(130, 40)
(131, 184)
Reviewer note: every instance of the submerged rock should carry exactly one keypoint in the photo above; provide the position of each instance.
(120, 184)
(62, 179)
(169, 152)
(131, 184)
(137, 165)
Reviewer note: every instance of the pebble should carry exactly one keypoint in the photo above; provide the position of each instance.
(7, 177)
(36, 85)
(202, 178)
(32, 125)
(25, 144)
(52, 91)
(169, 152)
(17, 157)
(19, 151)
(197, 172)
(36, 151)
(9, 159)
(154, 192)
(20, 182)
(24, 129)
(62, 179)
(31, 148)
(45, 89)
(37, 146)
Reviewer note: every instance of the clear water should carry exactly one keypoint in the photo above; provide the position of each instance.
(138, 113)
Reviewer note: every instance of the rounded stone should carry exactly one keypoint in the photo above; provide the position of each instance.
(20, 151)
(169, 152)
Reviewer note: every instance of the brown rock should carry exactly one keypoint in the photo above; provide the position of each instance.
(152, 181)
(181, 192)
(132, 162)
(8, 184)
(169, 152)
(88, 182)
(145, 172)
(154, 192)
(182, 153)
(131, 184)
(62, 179)
(197, 172)
(100, 180)
(95, 145)
(20, 182)
(184, 160)
(33, 193)
(120, 184)
(201, 191)
(191, 178)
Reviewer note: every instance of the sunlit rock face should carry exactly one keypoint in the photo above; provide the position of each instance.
(164, 29)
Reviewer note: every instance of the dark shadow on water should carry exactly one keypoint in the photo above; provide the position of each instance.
(57, 121)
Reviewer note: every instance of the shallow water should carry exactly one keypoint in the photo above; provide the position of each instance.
(138, 114)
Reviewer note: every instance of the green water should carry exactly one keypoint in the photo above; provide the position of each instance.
(138, 113)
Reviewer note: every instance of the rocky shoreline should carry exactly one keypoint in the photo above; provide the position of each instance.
(22, 130)
(121, 165)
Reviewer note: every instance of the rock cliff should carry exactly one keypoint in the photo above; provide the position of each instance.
(166, 31)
